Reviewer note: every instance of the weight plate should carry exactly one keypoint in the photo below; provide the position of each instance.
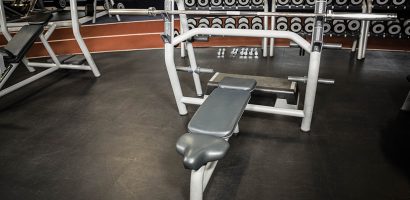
(309, 20)
(297, 2)
(378, 28)
(282, 19)
(295, 20)
(339, 28)
(216, 25)
(296, 27)
(257, 26)
(381, 2)
(398, 2)
(257, 20)
(203, 26)
(190, 3)
(217, 21)
(192, 21)
(204, 21)
(243, 20)
(341, 2)
(243, 26)
(216, 2)
(282, 26)
(120, 6)
(356, 2)
(326, 27)
(230, 20)
(257, 2)
(191, 26)
(407, 31)
(406, 23)
(309, 27)
(229, 25)
(394, 29)
(244, 2)
(353, 25)
(229, 2)
(310, 2)
(337, 21)
(203, 3)
(283, 2)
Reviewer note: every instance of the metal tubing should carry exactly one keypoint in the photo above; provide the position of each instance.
(209, 170)
(311, 86)
(331, 15)
(246, 33)
(77, 35)
(173, 77)
(49, 51)
(265, 27)
(304, 80)
(190, 49)
(27, 81)
(252, 108)
(50, 31)
(273, 25)
(325, 45)
(3, 81)
(62, 66)
(196, 190)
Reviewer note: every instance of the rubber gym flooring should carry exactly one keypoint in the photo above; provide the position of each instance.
(72, 136)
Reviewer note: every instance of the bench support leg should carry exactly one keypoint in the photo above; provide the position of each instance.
(406, 104)
(311, 87)
(197, 177)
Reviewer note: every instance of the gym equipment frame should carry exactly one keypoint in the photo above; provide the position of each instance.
(52, 67)
(201, 176)
(314, 48)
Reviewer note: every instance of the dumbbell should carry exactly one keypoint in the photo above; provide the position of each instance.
(327, 27)
(244, 2)
(229, 2)
(243, 23)
(310, 2)
(204, 23)
(309, 24)
(296, 24)
(393, 27)
(216, 2)
(257, 23)
(406, 27)
(297, 2)
(230, 22)
(339, 26)
(356, 2)
(341, 2)
(257, 2)
(282, 24)
(190, 3)
(283, 2)
(192, 23)
(203, 3)
(398, 2)
(217, 23)
(353, 25)
(378, 27)
(381, 2)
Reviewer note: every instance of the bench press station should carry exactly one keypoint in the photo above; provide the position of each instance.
(218, 115)
(13, 54)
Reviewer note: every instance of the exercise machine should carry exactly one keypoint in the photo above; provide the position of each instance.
(13, 54)
(219, 113)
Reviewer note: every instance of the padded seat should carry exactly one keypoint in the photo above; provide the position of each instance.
(220, 112)
(237, 83)
(19, 45)
(199, 149)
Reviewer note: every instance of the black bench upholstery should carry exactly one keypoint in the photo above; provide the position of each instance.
(215, 120)
(19, 45)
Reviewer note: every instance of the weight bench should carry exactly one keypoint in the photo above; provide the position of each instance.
(210, 128)
(13, 53)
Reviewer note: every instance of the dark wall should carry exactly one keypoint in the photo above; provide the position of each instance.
(158, 4)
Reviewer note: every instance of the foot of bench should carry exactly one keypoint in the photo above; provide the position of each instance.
(200, 179)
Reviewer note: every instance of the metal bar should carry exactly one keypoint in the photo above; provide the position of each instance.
(265, 27)
(62, 66)
(325, 45)
(197, 178)
(27, 81)
(209, 170)
(273, 25)
(331, 15)
(4, 80)
(243, 32)
(79, 38)
(252, 108)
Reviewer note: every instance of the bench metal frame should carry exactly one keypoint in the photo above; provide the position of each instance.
(200, 178)
(52, 67)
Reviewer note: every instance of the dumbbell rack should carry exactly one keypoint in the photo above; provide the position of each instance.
(229, 22)
(381, 29)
